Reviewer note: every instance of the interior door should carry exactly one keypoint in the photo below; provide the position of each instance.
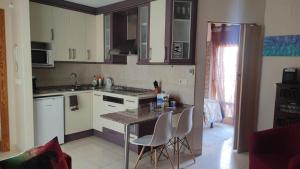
(4, 144)
(250, 71)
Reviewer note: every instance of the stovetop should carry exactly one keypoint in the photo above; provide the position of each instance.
(127, 90)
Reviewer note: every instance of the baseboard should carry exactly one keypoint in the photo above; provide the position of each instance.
(79, 135)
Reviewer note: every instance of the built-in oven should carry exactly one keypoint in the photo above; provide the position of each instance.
(118, 105)
(41, 55)
(113, 99)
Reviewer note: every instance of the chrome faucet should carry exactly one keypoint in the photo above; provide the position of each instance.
(74, 77)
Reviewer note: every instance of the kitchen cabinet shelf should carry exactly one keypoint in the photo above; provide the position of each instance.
(174, 42)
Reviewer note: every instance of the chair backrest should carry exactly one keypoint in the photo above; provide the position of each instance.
(185, 122)
(162, 130)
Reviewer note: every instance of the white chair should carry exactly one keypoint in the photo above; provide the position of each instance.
(185, 124)
(161, 136)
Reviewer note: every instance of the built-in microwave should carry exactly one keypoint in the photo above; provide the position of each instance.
(41, 55)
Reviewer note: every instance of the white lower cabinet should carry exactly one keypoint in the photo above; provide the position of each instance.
(78, 120)
(103, 107)
(97, 106)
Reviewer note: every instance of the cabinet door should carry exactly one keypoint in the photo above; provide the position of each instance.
(41, 22)
(61, 43)
(100, 38)
(157, 31)
(107, 37)
(79, 120)
(183, 24)
(97, 111)
(78, 35)
(143, 36)
(112, 108)
(91, 38)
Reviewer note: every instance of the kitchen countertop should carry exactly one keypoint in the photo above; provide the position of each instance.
(61, 90)
(136, 116)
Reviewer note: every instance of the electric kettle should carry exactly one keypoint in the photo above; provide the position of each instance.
(108, 83)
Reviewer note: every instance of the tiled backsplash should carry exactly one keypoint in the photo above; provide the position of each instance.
(133, 75)
(60, 75)
(143, 76)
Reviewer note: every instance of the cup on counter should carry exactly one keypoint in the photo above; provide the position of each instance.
(173, 103)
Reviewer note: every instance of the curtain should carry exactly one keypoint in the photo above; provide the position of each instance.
(225, 41)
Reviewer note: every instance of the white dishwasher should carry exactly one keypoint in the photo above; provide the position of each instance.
(48, 119)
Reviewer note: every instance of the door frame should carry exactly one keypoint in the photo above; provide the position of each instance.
(4, 114)
(247, 110)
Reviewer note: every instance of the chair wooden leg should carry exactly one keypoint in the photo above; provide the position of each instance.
(139, 157)
(155, 156)
(189, 148)
(168, 157)
(178, 153)
(151, 155)
(174, 147)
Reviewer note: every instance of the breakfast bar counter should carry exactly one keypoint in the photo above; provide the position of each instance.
(137, 116)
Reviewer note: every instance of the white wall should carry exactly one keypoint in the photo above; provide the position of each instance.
(281, 18)
(23, 82)
(19, 77)
(234, 11)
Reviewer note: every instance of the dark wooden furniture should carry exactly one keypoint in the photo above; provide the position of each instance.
(180, 33)
(287, 105)
(4, 115)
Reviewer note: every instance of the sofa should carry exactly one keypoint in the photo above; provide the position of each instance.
(275, 148)
(48, 156)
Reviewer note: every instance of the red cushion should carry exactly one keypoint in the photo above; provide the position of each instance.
(271, 161)
(53, 145)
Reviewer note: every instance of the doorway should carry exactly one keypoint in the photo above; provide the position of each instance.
(232, 81)
(221, 81)
(4, 121)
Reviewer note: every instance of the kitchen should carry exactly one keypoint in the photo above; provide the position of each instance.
(87, 43)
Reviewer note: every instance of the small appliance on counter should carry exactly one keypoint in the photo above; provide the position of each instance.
(108, 83)
(290, 76)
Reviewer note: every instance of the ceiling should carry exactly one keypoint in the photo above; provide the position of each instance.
(95, 3)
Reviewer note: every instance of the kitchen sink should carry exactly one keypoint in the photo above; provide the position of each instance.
(81, 88)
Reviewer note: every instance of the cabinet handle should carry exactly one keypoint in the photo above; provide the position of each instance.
(131, 101)
(166, 53)
(97, 95)
(89, 54)
(74, 53)
(70, 53)
(111, 106)
(52, 34)
(150, 53)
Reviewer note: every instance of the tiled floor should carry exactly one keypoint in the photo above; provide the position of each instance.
(95, 153)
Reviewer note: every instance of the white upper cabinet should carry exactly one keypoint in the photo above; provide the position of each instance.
(100, 38)
(90, 38)
(78, 35)
(75, 36)
(41, 26)
(61, 43)
(157, 31)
